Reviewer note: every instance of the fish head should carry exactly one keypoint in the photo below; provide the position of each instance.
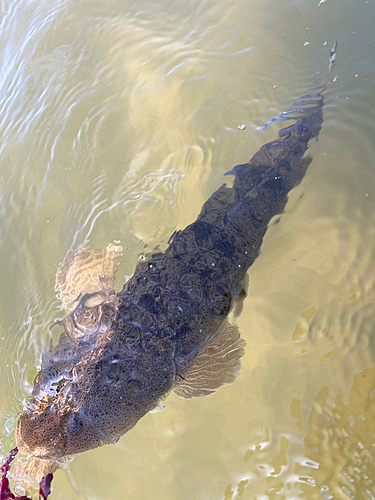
(48, 436)
(51, 434)
(97, 394)
(104, 374)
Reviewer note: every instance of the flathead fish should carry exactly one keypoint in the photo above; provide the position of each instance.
(121, 354)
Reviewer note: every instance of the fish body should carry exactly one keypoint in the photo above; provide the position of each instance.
(120, 355)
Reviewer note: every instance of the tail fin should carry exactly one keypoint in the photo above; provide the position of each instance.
(239, 215)
(332, 56)
(280, 159)
(314, 98)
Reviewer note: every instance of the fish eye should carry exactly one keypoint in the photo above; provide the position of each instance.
(134, 386)
(75, 424)
(92, 300)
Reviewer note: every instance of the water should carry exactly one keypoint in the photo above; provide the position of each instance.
(117, 120)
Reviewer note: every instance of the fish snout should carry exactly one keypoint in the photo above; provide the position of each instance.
(39, 434)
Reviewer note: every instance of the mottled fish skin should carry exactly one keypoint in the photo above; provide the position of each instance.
(92, 388)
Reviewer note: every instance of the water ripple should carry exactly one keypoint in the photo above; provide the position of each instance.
(117, 120)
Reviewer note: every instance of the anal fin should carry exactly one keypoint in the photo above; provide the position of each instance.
(217, 364)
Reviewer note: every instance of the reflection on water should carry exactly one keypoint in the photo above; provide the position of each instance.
(340, 440)
(118, 119)
(338, 456)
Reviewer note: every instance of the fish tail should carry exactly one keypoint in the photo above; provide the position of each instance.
(332, 56)
(261, 186)
(281, 159)
(239, 215)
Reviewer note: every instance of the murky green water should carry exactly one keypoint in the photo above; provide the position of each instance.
(117, 120)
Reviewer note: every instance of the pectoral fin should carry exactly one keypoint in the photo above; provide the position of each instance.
(217, 364)
(87, 271)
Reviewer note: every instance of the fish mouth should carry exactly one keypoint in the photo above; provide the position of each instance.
(33, 469)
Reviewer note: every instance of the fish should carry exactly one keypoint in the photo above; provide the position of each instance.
(119, 355)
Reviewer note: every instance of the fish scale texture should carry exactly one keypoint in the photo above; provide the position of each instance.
(120, 356)
(180, 294)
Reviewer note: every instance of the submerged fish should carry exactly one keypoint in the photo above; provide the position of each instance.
(120, 355)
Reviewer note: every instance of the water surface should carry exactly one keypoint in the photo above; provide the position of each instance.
(117, 120)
